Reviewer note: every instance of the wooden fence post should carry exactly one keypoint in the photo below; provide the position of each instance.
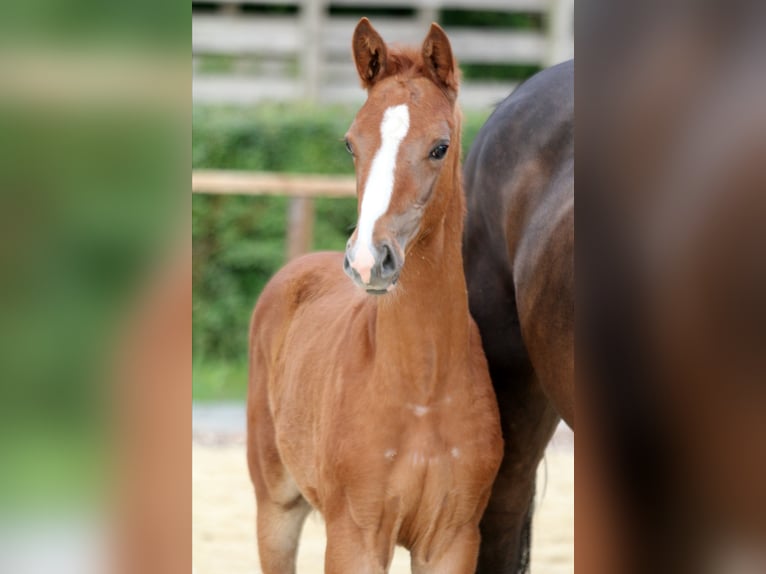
(301, 211)
(313, 14)
(300, 226)
(560, 31)
(427, 13)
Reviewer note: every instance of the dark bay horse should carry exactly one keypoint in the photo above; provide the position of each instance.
(519, 264)
(370, 398)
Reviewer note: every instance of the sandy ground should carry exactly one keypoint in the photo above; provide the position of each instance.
(223, 530)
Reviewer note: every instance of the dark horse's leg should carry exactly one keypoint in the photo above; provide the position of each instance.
(526, 415)
(528, 423)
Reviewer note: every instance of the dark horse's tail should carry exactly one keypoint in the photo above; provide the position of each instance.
(525, 540)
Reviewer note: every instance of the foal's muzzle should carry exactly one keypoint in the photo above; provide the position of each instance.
(376, 270)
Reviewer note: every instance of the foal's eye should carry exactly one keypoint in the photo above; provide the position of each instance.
(349, 149)
(439, 151)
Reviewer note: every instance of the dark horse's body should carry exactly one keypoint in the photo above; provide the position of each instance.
(519, 264)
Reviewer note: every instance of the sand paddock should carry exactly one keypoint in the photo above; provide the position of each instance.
(223, 513)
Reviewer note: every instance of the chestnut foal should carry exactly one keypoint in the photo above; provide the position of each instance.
(370, 399)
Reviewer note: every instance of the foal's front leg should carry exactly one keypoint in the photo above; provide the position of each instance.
(459, 557)
(281, 508)
(279, 529)
(351, 549)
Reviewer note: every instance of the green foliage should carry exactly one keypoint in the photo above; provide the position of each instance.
(215, 63)
(214, 379)
(499, 72)
(89, 202)
(273, 137)
(239, 241)
(492, 19)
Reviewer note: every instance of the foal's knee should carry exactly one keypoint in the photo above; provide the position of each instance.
(458, 556)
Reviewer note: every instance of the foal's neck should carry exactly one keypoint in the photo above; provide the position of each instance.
(423, 327)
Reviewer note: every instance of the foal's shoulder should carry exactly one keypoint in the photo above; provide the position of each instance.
(304, 279)
(307, 283)
(315, 266)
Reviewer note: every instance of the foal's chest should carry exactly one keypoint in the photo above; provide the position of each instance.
(423, 462)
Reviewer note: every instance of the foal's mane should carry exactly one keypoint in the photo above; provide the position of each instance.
(406, 62)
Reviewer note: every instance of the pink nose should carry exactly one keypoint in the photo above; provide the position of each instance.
(363, 262)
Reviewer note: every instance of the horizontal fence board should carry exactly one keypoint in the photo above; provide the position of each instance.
(476, 95)
(496, 46)
(337, 31)
(484, 94)
(227, 89)
(343, 93)
(223, 34)
(268, 183)
(231, 89)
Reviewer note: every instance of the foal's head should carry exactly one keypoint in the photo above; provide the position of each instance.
(404, 139)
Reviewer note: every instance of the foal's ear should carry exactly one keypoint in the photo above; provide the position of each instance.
(369, 53)
(439, 63)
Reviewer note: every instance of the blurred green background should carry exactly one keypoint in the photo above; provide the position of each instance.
(239, 241)
(93, 193)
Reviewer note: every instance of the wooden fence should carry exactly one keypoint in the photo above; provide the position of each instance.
(244, 56)
(302, 189)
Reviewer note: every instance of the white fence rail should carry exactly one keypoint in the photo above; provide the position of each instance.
(306, 55)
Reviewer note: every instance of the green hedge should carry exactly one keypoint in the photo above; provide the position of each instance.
(238, 241)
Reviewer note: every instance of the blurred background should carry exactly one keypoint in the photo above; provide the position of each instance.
(274, 90)
(94, 154)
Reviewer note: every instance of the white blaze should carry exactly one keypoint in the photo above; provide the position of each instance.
(380, 180)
